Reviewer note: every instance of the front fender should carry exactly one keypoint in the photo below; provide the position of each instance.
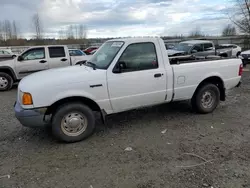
(71, 93)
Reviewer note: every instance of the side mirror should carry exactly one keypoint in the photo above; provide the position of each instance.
(194, 51)
(20, 58)
(119, 67)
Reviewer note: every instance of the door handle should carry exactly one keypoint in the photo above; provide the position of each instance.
(158, 75)
(42, 61)
(63, 59)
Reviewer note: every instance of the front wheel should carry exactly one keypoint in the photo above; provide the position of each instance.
(206, 99)
(6, 81)
(73, 122)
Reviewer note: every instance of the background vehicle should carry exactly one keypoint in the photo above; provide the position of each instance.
(236, 50)
(36, 59)
(123, 74)
(78, 56)
(198, 48)
(195, 47)
(6, 54)
(93, 51)
(169, 46)
(90, 49)
(245, 57)
(76, 52)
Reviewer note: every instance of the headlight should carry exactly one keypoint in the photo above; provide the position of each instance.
(26, 98)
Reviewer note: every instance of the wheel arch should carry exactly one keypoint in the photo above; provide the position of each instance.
(9, 71)
(87, 101)
(216, 80)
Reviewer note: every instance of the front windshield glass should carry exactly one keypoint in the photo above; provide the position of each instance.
(183, 47)
(105, 55)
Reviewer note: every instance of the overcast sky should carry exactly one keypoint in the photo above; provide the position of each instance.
(114, 18)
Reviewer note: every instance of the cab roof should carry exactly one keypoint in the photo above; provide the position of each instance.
(135, 39)
(197, 41)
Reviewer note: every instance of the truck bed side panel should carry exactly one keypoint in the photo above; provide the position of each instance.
(189, 76)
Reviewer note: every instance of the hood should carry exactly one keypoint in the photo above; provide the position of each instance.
(246, 52)
(61, 76)
(7, 61)
(172, 52)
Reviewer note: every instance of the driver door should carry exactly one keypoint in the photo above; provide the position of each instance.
(142, 80)
(198, 50)
(31, 61)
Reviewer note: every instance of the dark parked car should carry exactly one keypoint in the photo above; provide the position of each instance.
(245, 57)
(199, 48)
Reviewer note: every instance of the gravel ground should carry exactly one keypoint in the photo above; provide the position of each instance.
(171, 147)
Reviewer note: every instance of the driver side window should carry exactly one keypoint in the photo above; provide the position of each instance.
(33, 54)
(139, 56)
(198, 48)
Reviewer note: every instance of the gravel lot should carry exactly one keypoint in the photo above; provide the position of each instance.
(33, 158)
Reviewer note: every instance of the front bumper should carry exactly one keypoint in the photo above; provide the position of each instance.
(31, 117)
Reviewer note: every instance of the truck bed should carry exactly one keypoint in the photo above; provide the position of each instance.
(187, 76)
(194, 59)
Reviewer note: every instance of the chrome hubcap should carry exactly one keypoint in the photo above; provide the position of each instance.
(207, 99)
(3, 82)
(74, 124)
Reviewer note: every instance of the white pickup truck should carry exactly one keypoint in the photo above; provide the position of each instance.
(123, 74)
(33, 60)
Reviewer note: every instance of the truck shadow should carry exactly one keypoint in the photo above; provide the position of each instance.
(115, 122)
(170, 111)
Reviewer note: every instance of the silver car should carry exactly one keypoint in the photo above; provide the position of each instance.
(5, 54)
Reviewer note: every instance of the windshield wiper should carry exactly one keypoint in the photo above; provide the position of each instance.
(91, 64)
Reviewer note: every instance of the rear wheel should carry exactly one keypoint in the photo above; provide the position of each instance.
(73, 122)
(6, 81)
(206, 99)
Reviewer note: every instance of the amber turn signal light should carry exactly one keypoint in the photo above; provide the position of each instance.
(27, 99)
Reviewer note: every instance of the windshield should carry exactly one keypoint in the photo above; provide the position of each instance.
(105, 55)
(183, 47)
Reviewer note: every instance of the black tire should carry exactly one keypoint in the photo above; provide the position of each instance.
(81, 62)
(237, 55)
(224, 55)
(207, 89)
(8, 79)
(72, 108)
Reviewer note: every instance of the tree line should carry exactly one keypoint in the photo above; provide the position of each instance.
(10, 33)
(8, 30)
